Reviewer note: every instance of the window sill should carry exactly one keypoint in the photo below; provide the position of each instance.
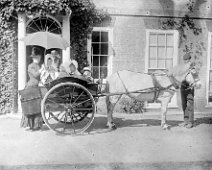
(208, 106)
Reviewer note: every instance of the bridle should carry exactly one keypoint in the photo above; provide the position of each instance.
(195, 78)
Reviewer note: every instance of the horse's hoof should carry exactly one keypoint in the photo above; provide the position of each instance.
(165, 127)
(112, 126)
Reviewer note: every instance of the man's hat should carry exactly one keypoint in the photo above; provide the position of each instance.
(55, 53)
(35, 51)
(187, 56)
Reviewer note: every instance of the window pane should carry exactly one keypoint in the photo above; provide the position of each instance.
(210, 97)
(104, 48)
(95, 36)
(96, 48)
(152, 52)
(210, 86)
(211, 41)
(169, 52)
(169, 64)
(169, 40)
(153, 39)
(103, 71)
(95, 60)
(152, 63)
(210, 76)
(104, 36)
(161, 53)
(96, 72)
(161, 40)
(161, 63)
(103, 60)
(210, 64)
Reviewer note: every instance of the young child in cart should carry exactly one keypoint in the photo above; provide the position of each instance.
(87, 74)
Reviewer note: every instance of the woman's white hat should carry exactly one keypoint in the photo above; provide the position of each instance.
(86, 69)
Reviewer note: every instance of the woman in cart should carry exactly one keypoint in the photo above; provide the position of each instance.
(48, 71)
(35, 121)
(69, 68)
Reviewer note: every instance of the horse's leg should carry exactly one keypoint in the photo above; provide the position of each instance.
(164, 105)
(111, 102)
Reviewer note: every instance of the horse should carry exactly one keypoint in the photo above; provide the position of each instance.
(158, 86)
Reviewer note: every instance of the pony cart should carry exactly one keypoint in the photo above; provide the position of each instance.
(69, 104)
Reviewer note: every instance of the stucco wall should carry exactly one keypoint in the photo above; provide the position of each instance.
(131, 18)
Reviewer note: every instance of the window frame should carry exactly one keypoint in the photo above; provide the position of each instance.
(208, 104)
(110, 47)
(172, 104)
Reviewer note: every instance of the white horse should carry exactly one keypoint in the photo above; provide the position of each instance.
(147, 87)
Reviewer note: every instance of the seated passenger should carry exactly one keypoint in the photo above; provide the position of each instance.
(69, 68)
(87, 73)
(56, 59)
(48, 71)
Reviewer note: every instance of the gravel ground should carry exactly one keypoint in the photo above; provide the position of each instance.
(138, 143)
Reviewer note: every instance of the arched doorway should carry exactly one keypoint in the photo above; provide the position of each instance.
(42, 23)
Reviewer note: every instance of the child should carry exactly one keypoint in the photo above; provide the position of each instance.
(87, 73)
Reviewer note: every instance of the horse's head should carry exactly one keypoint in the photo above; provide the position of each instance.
(192, 77)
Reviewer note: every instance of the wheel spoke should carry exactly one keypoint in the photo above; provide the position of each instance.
(78, 97)
(59, 122)
(72, 123)
(64, 127)
(83, 109)
(52, 101)
(56, 92)
(57, 115)
(72, 94)
(82, 102)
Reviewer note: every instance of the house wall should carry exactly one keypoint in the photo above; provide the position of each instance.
(131, 19)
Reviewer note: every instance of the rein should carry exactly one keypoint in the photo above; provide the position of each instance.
(156, 89)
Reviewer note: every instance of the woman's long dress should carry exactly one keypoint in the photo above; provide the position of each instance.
(32, 121)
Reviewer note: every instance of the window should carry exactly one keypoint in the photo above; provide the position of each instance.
(209, 71)
(161, 52)
(160, 48)
(100, 47)
(42, 24)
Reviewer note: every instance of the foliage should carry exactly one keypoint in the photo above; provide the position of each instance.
(129, 105)
(182, 25)
(187, 25)
(83, 17)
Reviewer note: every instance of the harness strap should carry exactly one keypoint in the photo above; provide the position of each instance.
(123, 83)
(174, 81)
(127, 92)
(157, 87)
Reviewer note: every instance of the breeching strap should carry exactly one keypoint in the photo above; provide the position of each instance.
(156, 89)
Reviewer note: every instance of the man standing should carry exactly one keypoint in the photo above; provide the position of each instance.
(187, 97)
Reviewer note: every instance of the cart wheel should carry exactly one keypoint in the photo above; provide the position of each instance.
(68, 108)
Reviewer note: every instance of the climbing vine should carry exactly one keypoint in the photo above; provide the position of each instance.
(84, 16)
(185, 26)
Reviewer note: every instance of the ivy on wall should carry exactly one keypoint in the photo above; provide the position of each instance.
(185, 26)
(84, 17)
